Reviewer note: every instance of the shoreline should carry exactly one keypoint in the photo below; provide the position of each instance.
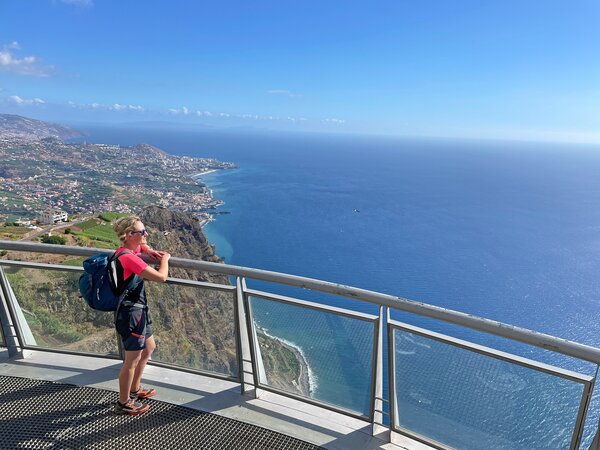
(201, 174)
(308, 379)
(206, 217)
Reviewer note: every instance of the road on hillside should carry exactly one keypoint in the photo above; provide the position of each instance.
(50, 228)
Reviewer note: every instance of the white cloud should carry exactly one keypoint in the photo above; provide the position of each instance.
(333, 121)
(183, 110)
(119, 107)
(204, 114)
(250, 116)
(15, 99)
(114, 107)
(282, 92)
(27, 65)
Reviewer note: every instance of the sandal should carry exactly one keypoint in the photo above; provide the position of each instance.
(131, 408)
(142, 393)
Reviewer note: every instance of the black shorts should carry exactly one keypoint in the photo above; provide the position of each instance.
(133, 325)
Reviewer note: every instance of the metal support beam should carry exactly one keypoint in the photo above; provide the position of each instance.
(9, 331)
(245, 365)
(379, 430)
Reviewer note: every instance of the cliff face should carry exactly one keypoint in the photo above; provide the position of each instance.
(178, 233)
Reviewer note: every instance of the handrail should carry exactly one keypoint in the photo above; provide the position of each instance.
(545, 341)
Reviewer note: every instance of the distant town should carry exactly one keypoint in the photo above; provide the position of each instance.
(47, 181)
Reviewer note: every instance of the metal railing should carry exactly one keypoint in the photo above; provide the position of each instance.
(251, 372)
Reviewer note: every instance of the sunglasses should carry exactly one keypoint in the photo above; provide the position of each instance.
(141, 232)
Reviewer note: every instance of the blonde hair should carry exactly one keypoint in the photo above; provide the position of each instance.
(124, 225)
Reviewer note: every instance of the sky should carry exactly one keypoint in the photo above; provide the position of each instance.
(507, 69)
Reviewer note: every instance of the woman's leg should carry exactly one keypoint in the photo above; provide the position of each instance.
(141, 365)
(126, 375)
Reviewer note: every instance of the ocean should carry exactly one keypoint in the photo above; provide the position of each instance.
(508, 231)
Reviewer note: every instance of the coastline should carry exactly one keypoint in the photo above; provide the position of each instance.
(201, 174)
(306, 382)
(206, 217)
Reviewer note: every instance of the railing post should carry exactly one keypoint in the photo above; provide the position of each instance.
(379, 430)
(391, 362)
(9, 330)
(595, 445)
(583, 409)
(245, 363)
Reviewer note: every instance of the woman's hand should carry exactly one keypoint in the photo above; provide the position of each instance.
(155, 254)
(163, 271)
(163, 255)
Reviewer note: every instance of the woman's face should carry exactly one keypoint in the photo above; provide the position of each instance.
(137, 236)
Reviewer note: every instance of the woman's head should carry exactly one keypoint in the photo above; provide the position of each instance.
(130, 229)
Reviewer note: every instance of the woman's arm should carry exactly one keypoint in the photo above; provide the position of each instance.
(156, 255)
(162, 273)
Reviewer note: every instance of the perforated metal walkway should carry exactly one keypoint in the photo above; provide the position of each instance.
(38, 414)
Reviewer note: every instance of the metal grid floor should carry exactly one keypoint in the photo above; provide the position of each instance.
(38, 414)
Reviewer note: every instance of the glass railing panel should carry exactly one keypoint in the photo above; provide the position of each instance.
(316, 354)
(194, 327)
(467, 399)
(52, 315)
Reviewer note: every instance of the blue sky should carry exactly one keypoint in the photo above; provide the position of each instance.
(498, 69)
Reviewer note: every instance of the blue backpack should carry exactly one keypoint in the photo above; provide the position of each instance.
(98, 283)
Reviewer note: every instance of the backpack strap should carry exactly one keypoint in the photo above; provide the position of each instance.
(134, 280)
(132, 283)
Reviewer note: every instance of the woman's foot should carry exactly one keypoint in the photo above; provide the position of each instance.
(142, 393)
(131, 407)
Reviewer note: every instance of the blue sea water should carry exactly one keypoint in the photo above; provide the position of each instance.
(505, 230)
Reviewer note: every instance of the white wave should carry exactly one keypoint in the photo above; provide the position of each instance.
(412, 341)
(400, 352)
(312, 378)
(201, 174)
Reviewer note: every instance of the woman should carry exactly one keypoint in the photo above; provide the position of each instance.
(132, 322)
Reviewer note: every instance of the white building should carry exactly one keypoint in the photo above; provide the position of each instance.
(53, 215)
(23, 222)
